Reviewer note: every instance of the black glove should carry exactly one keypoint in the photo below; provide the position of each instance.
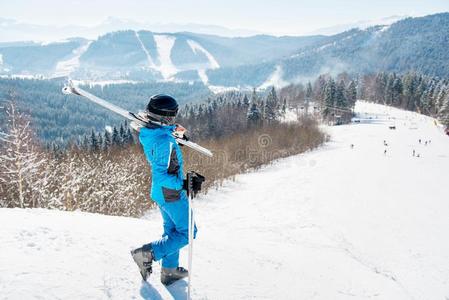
(185, 138)
(196, 181)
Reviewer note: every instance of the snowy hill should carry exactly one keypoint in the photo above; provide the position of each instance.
(400, 47)
(336, 223)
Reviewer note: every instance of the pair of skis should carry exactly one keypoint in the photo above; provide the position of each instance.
(71, 88)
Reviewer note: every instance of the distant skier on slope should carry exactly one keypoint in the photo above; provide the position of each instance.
(168, 190)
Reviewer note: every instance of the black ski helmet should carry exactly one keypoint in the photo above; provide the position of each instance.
(162, 108)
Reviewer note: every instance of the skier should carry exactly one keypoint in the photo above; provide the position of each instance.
(168, 190)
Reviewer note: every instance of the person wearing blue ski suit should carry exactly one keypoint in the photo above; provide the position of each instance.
(168, 190)
(165, 158)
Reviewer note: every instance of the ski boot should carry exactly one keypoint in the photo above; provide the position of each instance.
(170, 275)
(143, 257)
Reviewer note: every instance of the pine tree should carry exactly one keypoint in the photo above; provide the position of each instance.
(420, 91)
(351, 94)
(100, 141)
(94, 146)
(424, 101)
(430, 94)
(245, 102)
(254, 98)
(271, 112)
(441, 97)
(122, 134)
(396, 92)
(389, 89)
(107, 140)
(443, 114)
(254, 116)
(340, 98)
(380, 87)
(329, 97)
(115, 137)
(410, 90)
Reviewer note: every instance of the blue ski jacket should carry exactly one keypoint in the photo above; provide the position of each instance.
(165, 158)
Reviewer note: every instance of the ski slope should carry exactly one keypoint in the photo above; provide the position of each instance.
(66, 67)
(335, 223)
(145, 50)
(164, 45)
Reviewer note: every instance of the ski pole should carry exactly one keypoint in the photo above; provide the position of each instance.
(191, 229)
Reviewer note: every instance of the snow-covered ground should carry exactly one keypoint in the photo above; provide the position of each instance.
(336, 223)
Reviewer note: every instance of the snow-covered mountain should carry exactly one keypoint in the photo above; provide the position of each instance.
(412, 44)
(340, 222)
(144, 55)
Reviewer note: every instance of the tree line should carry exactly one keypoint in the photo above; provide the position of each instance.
(411, 91)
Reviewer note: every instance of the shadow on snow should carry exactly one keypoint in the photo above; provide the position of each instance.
(178, 290)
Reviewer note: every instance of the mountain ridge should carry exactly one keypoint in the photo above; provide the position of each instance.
(411, 44)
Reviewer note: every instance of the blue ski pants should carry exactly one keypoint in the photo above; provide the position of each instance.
(175, 216)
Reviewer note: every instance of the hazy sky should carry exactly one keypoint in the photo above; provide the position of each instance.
(272, 16)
